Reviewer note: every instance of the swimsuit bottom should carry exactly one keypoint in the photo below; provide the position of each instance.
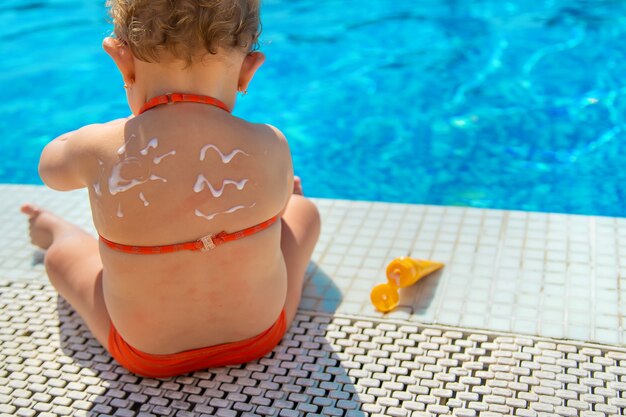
(163, 366)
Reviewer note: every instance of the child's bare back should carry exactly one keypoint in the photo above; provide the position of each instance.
(175, 174)
(179, 173)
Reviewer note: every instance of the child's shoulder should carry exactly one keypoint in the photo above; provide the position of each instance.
(68, 161)
(89, 136)
(276, 142)
(275, 133)
(271, 134)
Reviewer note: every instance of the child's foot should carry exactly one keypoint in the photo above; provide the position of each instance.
(45, 226)
(297, 186)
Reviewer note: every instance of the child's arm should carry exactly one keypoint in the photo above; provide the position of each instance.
(64, 162)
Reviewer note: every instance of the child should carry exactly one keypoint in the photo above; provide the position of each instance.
(203, 244)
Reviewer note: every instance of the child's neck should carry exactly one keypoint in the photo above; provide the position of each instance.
(214, 77)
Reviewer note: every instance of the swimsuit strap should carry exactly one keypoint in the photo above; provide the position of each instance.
(203, 244)
(179, 98)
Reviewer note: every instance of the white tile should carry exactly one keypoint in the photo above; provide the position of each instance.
(525, 313)
(608, 336)
(500, 323)
(552, 329)
(449, 316)
(476, 308)
(607, 322)
(604, 307)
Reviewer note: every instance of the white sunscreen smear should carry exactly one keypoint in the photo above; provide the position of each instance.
(143, 198)
(122, 148)
(157, 159)
(119, 211)
(117, 184)
(211, 216)
(154, 142)
(202, 183)
(225, 158)
(96, 189)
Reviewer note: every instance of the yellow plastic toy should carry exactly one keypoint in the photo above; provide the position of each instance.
(401, 272)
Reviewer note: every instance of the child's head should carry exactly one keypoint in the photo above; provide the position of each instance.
(185, 29)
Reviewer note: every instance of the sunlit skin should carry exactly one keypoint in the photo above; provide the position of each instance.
(141, 173)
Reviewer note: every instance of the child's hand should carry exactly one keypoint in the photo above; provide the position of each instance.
(297, 185)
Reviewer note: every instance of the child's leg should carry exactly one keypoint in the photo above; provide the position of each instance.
(300, 231)
(74, 267)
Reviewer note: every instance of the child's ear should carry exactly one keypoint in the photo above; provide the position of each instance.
(122, 56)
(251, 63)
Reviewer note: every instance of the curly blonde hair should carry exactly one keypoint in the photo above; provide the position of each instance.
(185, 28)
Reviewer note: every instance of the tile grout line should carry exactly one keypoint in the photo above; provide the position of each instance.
(496, 269)
(566, 291)
(332, 236)
(369, 247)
(466, 300)
(540, 297)
(620, 317)
(545, 260)
(417, 232)
(594, 260)
(441, 292)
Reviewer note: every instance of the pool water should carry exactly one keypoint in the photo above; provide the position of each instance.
(501, 104)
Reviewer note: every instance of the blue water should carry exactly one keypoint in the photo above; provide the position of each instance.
(492, 103)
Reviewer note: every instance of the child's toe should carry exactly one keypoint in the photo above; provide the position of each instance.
(30, 210)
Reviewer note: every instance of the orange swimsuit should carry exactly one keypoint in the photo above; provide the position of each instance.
(161, 366)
